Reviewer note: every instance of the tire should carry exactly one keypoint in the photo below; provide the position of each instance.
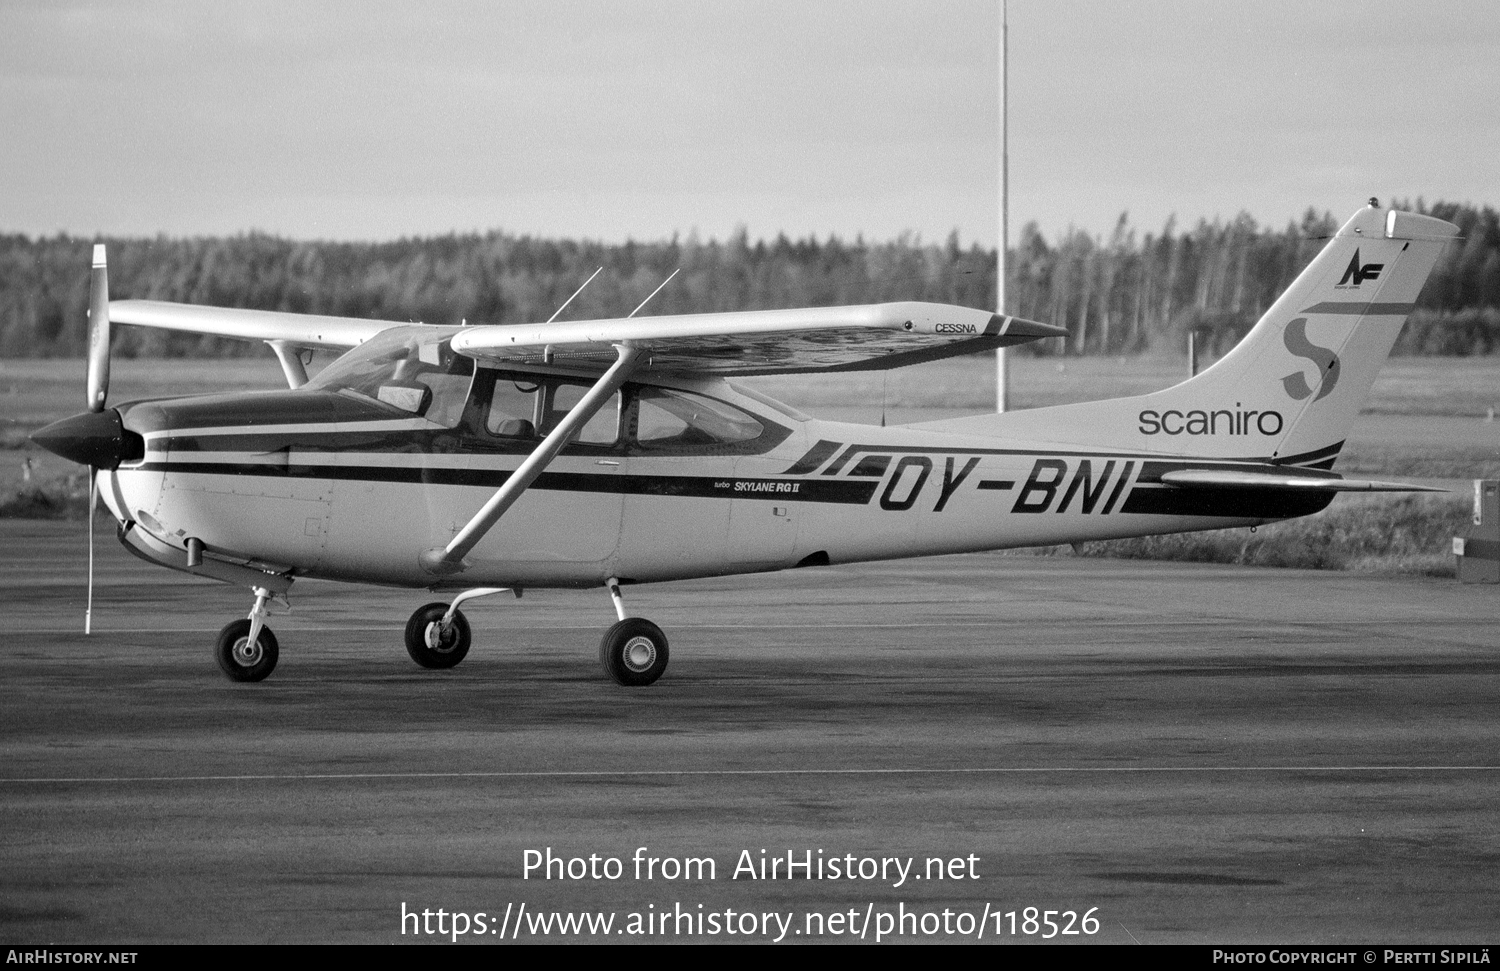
(448, 647)
(241, 661)
(634, 652)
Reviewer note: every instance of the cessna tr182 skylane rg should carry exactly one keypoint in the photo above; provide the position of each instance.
(609, 452)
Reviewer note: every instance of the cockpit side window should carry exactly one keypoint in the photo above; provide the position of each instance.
(449, 389)
(513, 406)
(529, 406)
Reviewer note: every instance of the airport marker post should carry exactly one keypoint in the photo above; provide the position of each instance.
(1478, 548)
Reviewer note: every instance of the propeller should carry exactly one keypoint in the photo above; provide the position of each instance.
(98, 389)
(96, 437)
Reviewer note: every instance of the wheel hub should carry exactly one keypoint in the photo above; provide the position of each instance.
(440, 638)
(639, 653)
(247, 653)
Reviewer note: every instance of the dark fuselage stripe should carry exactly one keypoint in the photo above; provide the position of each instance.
(1244, 503)
(815, 457)
(1082, 452)
(722, 487)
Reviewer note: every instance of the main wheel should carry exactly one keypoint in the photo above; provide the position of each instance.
(239, 658)
(431, 644)
(634, 652)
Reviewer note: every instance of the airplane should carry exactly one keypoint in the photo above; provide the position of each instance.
(481, 459)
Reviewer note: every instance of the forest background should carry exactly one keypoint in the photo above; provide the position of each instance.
(1130, 292)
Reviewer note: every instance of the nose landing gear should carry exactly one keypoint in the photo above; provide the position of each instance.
(246, 649)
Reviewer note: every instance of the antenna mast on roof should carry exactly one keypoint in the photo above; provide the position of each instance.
(1002, 363)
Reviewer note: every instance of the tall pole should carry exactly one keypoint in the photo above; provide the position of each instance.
(1002, 362)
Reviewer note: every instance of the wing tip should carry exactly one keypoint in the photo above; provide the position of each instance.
(1004, 325)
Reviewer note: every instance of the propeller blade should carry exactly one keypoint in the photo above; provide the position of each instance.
(88, 613)
(98, 331)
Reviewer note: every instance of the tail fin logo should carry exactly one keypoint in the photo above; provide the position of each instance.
(1358, 273)
(1327, 362)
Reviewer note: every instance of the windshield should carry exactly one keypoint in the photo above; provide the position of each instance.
(410, 370)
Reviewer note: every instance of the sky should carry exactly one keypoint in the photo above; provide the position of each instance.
(616, 119)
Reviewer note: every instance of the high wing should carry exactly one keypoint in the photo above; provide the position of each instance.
(302, 330)
(818, 339)
(854, 338)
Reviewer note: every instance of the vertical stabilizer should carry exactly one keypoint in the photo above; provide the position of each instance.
(1291, 389)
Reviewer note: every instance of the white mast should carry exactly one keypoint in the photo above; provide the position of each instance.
(1002, 364)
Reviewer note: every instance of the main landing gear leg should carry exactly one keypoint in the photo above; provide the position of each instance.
(634, 650)
(246, 649)
(438, 635)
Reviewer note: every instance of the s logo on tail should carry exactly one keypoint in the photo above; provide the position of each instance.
(1295, 338)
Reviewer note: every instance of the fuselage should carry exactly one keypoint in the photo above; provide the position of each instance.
(673, 479)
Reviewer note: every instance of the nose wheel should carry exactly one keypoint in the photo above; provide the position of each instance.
(243, 658)
(246, 649)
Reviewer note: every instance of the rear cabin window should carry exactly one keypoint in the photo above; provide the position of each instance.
(664, 420)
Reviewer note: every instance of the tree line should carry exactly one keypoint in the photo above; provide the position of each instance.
(1130, 292)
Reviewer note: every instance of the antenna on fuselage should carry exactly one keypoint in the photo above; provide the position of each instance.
(575, 293)
(655, 292)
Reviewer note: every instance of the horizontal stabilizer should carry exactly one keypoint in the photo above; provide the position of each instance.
(1210, 478)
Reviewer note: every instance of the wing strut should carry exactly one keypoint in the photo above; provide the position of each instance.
(290, 357)
(450, 559)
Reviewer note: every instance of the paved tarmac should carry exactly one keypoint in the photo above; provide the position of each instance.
(1177, 753)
